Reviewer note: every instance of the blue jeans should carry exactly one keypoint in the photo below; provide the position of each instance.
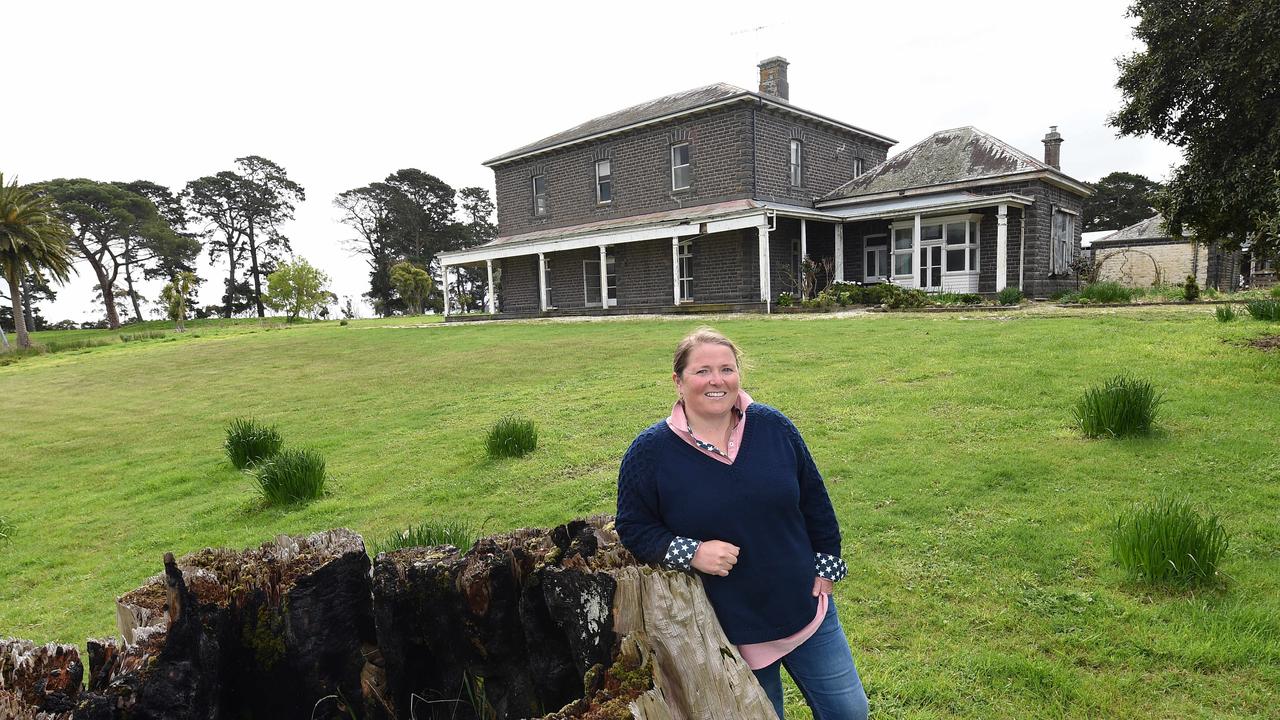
(824, 671)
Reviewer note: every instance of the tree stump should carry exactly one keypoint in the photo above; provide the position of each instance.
(558, 624)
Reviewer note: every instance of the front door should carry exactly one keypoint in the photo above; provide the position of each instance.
(931, 268)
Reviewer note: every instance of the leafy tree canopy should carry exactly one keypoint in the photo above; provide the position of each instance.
(413, 283)
(1119, 200)
(1206, 83)
(33, 239)
(297, 288)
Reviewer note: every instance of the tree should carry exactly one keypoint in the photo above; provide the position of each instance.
(413, 283)
(35, 288)
(367, 210)
(174, 296)
(297, 288)
(1119, 200)
(113, 228)
(32, 239)
(246, 206)
(213, 198)
(1206, 84)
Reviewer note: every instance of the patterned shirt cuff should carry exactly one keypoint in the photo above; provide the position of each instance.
(680, 553)
(831, 567)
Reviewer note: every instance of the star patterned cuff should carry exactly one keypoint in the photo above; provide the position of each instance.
(680, 553)
(831, 567)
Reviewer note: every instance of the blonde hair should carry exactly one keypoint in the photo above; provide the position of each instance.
(701, 336)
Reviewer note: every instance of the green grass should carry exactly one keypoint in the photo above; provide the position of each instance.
(426, 534)
(512, 436)
(1264, 309)
(1166, 542)
(249, 442)
(975, 517)
(290, 476)
(1225, 313)
(1118, 407)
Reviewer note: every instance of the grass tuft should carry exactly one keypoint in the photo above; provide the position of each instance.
(7, 530)
(1009, 296)
(291, 476)
(1264, 309)
(143, 335)
(55, 346)
(512, 436)
(1107, 292)
(249, 442)
(1167, 542)
(1225, 313)
(1118, 407)
(429, 534)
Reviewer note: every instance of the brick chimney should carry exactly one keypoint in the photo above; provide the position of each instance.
(773, 78)
(1052, 147)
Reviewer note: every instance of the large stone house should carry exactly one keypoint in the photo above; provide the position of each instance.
(710, 198)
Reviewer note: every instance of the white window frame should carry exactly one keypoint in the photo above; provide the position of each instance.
(588, 284)
(881, 251)
(602, 180)
(686, 270)
(1060, 245)
(540, 204)
(546, 282)
(687, 165)
(796, 163)
(909, 251)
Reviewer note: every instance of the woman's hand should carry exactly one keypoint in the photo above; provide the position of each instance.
(821, 585)
(715, 557)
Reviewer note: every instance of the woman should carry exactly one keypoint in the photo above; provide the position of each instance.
(725, 486)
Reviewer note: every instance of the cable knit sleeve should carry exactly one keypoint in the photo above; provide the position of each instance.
(819, 516)
(639, 523)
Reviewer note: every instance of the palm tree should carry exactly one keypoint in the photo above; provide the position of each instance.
(32, 238)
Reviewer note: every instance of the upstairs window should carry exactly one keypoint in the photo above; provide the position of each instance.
(797, 163)
(857, 166)
(604, 182)
(539, 195)
(681, 170)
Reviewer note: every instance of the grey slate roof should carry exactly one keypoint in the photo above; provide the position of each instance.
(947, 156)
(656, 108)
(1152, 228)
(659, 108)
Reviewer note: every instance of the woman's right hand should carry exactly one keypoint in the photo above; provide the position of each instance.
(715, 557)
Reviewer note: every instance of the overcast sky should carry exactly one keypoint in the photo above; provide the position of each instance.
(341, 94)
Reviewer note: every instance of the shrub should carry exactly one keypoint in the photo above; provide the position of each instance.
(1225, 313)
(1009, 296)
(290, 476)
(512, 436)
(897, 297)
(1264, 309)
(1118, 407)
(428, 534)
(1191, 289)
(786, 299)
(342, 322)
(958, 299)
(826, 299)
(143, 335)
(1167, 541)
(248, 442)
(1106, 292)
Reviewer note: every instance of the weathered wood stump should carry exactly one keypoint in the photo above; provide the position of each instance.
(559, 624)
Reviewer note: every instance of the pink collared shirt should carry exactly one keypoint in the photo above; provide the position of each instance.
(757, 655)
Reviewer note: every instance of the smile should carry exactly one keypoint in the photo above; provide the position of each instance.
(714, 394)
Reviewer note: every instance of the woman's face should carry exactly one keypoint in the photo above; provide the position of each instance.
(709, 382)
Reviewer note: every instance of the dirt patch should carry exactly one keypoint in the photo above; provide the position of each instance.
(1266, 343)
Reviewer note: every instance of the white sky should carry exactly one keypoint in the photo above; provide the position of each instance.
(341, 94)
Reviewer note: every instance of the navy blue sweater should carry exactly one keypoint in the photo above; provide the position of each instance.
(770, 502)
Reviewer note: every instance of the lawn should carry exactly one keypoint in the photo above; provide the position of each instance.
(974, 515)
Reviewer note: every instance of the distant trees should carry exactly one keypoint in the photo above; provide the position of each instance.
(1206, 83)
(413, 283)
(1119, 200)
(412, 216)
(296, 288)
(115, 228)
(243, 210)
(175, 294)
(33, 239)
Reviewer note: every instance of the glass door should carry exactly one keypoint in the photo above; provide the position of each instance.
(931, 268)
